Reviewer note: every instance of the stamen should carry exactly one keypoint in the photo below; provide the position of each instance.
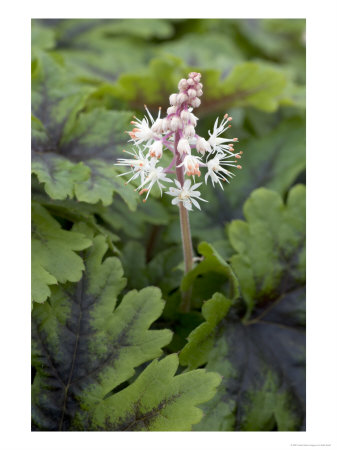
(142, 191)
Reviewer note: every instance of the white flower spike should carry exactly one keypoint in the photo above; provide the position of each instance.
(176, 133)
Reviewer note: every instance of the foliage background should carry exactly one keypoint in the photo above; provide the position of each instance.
(89, 77)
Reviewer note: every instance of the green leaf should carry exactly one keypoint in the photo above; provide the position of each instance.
(249, 84)
(53, 253)
(270, 246)
(254, 84)
(85, 349)
(91, 33)
(135, 226)
(151, 85)
(262, 363)
(211, 263)
(163, 270)
(278, 39)
(101, 50)
(274, 161)
(74, 151)
(205, 51)
(58, 174)
(169, 405)
(260, 354)
(41, 38)
(201, 340)
(133, 260)
(140, 28)
(76, 212)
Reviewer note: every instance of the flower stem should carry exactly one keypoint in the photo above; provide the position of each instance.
(186, 238)
(185, 231)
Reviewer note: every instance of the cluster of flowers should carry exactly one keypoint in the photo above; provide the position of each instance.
(176, 133)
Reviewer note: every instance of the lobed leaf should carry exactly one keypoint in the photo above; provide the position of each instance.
(263, 367)
(201, 340)
(100, 50)
(84, 347)
(261, 355)
(247, 84)
(270, 246)
(211, 263)
(74, 151)
(168, 405)
(53, 253)
(273, 160)
(205, 51)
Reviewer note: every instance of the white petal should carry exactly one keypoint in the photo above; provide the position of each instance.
(187, 184)
(195, 194)
(187, 205)
(195, 203)
(177, 183)
(195, 186)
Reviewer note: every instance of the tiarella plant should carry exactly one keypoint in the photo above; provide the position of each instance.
(176, 133)
(126, 334)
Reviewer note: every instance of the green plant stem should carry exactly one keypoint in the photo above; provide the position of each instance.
(185, 232)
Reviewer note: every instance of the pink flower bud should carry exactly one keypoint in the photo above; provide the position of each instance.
(192, 93)
(181, 98)
(202, 146)
(197, 78)
(199, 92)
(182, 85)
(183, 147)
(165, 124)
(195, 102)
(173, 99)
(175, 123)
(193, 119)
(171, 110)
(189, 131)
(157, 126)
(190, 81)
(185, 116)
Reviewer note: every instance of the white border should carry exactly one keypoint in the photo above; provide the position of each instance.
(321, 223)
